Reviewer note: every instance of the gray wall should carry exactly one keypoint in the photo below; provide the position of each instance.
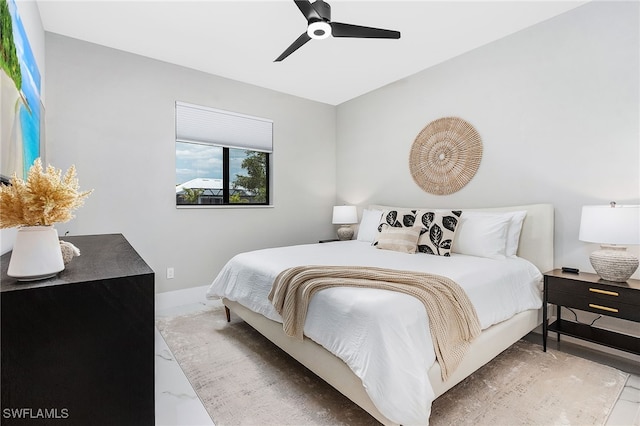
(112, 115)
(556, 106)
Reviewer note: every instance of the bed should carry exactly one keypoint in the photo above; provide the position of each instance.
(372, 345)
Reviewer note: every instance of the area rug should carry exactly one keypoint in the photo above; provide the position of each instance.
(243, 379)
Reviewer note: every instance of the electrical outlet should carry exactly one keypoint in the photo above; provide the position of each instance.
(170, 273)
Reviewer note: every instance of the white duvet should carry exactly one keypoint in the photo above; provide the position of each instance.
(382, 336)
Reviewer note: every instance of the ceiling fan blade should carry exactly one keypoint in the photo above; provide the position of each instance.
(348, 30)
(304, 37)
(307, 10)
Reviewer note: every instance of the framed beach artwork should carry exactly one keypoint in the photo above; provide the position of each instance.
(21, 111)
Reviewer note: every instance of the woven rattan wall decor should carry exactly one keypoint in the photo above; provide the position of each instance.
(445, 155)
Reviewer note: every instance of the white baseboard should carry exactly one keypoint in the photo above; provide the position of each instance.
(187, 296)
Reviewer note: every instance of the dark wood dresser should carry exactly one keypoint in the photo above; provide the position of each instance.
(78, 349)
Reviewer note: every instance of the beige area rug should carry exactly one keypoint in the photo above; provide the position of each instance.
(243, 379)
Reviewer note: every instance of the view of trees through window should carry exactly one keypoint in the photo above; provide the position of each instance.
(250, 185)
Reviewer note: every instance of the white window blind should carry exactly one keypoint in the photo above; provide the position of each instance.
(200, 124)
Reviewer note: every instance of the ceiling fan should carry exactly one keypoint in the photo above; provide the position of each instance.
(319, 26)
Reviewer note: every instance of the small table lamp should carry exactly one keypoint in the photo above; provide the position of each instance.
(611, 225)
(345, 216)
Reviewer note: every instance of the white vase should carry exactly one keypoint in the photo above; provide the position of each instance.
(36, 254)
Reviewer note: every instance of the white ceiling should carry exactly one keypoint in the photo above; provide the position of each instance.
(240, 39)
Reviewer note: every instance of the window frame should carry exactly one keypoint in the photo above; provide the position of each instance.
(256, 133)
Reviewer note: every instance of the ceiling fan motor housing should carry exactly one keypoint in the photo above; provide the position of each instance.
(324, 9)
(320, 28)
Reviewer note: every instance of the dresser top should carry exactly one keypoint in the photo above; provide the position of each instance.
(102, 257)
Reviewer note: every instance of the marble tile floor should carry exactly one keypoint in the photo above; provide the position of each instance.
(176, 402)
(178, 405)
(626, 411)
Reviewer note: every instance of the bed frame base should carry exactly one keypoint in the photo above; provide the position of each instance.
(334, 371)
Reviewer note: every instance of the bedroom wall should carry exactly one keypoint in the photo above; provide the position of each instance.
(111, 114)
(30, 16)
(556, 106)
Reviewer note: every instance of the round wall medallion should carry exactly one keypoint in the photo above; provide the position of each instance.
(445, 155)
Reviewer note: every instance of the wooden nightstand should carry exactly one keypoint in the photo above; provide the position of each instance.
(587, 292)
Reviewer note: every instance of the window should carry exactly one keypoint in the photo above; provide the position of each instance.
(222, 158)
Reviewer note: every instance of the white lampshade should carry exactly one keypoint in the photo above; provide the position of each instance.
(344, 215)
(610, 226)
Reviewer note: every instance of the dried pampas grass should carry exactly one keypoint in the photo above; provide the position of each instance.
(45, 198)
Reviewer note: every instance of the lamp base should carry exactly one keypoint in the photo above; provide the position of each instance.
(613, 263)
(345, 232)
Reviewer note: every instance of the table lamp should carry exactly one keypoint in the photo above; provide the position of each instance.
(610, 226)
(345, 216)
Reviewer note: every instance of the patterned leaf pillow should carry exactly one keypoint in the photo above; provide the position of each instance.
(396, 218)
(438, 232)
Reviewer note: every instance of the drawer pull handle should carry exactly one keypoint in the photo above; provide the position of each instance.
(608, 293)
(604, 308)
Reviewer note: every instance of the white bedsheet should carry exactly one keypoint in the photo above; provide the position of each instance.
(382, 336)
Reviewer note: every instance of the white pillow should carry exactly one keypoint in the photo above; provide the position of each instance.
(514, 230)
(368, 228)
(513, 233)
(482, 234)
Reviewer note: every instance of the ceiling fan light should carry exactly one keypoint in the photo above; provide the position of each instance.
(319, 30)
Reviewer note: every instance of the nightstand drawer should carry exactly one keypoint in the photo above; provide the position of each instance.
(597, 288)
(592, 304)
(605, 299)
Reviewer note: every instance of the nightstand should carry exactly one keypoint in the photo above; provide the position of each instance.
(588, 292)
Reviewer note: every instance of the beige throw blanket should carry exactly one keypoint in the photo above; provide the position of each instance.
(453, 320)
